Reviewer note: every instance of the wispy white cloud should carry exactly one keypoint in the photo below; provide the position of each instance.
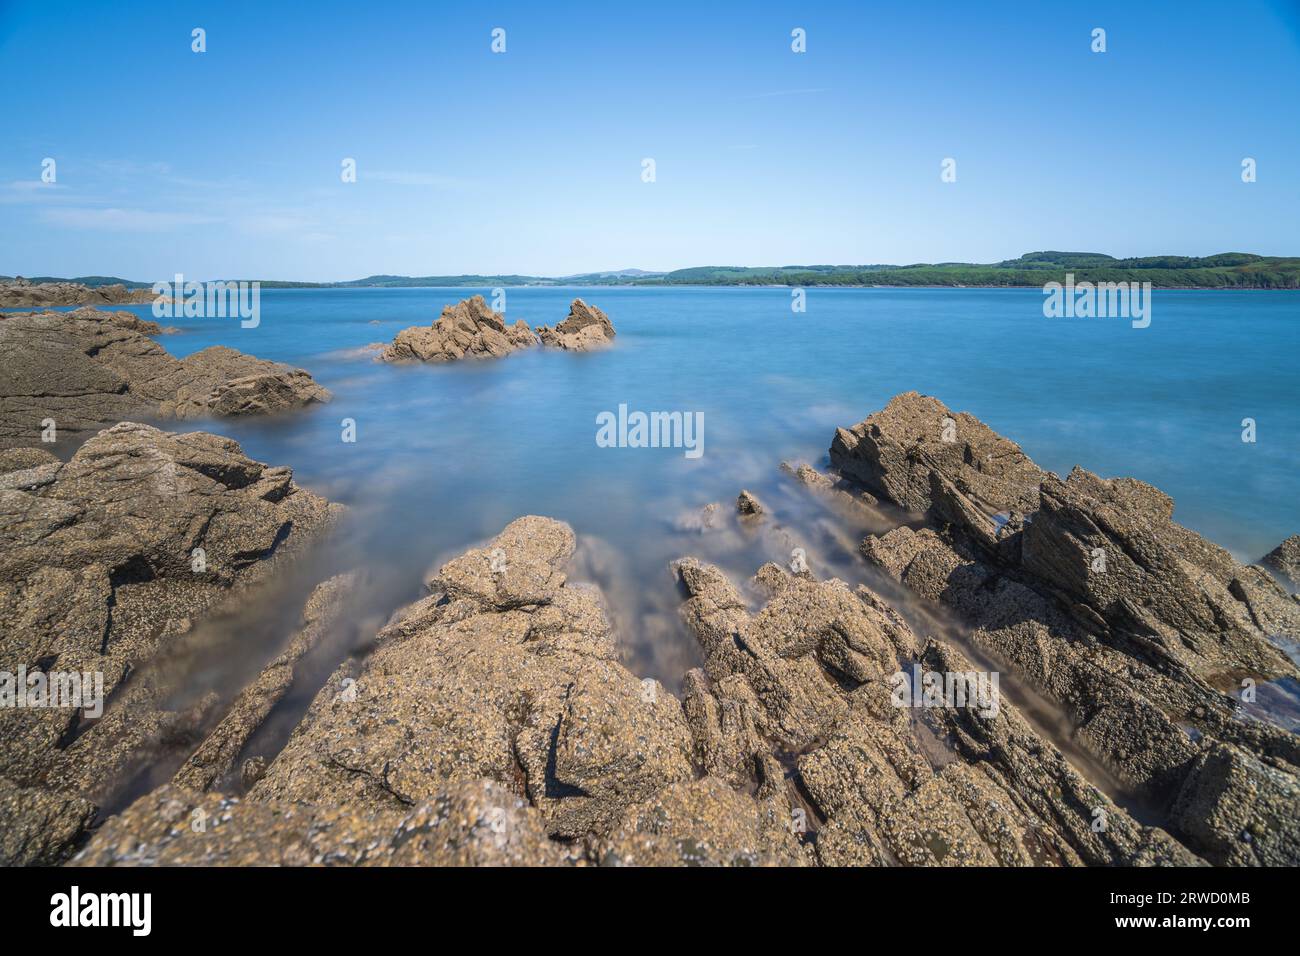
(121, 220)
(407, 178)
(28, 191)
(275, 223)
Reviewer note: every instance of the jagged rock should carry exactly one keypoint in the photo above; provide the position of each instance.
(807, 681)
(39, 827)
(1284, 561)
(133, 323)
(217, 754)
(1107, 547)
(471, 823)
(222, 381)
(518, 680)
(834, 488)
(20, 293)
(121, 318)
(585, 328)
(468, 329)
(703, 823)
(908, 452)
(1138, 628)
(747, 504)
(1111, 545)
(99, 573)
(24, 459)
(1242, 811)
(253, 770)
(86, 370)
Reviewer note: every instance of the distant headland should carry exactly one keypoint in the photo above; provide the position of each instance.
(1227, 270)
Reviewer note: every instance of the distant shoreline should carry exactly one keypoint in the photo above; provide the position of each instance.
(1220, 272)
(326, 287)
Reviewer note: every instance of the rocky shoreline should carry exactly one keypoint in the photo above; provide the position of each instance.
(19, 293)
(493, 721)
(87, 369)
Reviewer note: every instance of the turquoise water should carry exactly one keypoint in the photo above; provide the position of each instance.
(447, 455)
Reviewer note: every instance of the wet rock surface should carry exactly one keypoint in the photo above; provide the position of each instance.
(216, 756)
(19, 293)
(106, 561)
(470, 329)
(1152, 639)
(87, 369)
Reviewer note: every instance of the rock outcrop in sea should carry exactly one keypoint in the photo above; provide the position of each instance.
(21, 293)
(106, 563)
(470, 329)
(88, 369)
(585, 328)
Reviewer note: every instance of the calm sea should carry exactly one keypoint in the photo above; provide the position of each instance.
(447, 455)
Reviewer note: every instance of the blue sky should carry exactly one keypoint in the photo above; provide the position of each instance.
(227, 163)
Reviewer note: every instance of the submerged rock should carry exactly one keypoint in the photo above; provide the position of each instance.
(105, 561)
(87, 369)
(698, 520)
(838, 490)
(585, 328)
(217, 754)
(470, 329)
